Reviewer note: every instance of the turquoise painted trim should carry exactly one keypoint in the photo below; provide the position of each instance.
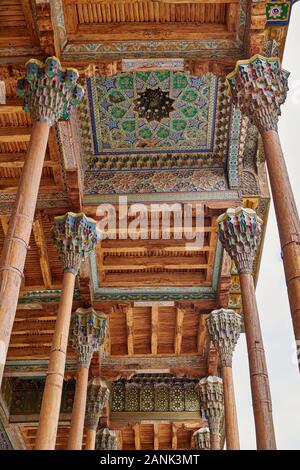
(47, 295)
(233, 154)
(162, 197)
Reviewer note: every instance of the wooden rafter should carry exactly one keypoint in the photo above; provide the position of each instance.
(174, 436)
(92, 2)
(154, 331)
(212, 243)
(178, 331)
(40, 241)
(137, 436)
(202, 335)
(15, 162)
(4, 219)
(129, 323)
(15, 134)
(156, 436)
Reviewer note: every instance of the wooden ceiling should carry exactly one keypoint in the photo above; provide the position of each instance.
(131, 436)
(95, 20)
(15, 130)
(159, 257)
(17, 24)
(43, 269)
(149, 11)
(28, 433)
(156, 436)
(159, 333)
(32, 333)
(156, 331)
(133, 331)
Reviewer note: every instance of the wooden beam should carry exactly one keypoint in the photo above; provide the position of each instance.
(15, 130)
(40, 241)
(14, 138)
(28, 14)
(232, 16)
(12, 156)
(144, 278)
(117, 2)
(19, 164)
(132, 248)
(178, 331)
(202, 335)
(129, 323)
(154, 331)
(15, 134)
(174, 436)
(212, 243)
(156, 436)
(155, 265)
(9, 108)
(137, 31)
(137, 436)
(4, 219)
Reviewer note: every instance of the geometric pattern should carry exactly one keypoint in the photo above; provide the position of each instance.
(155, 181)
(278, 12)
(119, 128)
(124, 167)
(152, 395)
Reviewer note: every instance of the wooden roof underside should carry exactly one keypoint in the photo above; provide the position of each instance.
(168, 337)
(133, 436)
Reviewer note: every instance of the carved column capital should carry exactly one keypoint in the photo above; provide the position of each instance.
(202, 439)
(87, 334)
(224, 328)
(75, 237)
(258, 87)
(106, 440)
(212, 401)
(239, 231)
(97, 396)
(49, 90)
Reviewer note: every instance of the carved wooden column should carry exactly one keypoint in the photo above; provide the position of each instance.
(87, 335)
(97, 397)
(259, 87)
(202, 439)
(106, 440)
(49, 93)
(75, 237)
(224, 328)
(212, 404)
(240, 233)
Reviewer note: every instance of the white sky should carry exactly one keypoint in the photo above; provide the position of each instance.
(271, 290)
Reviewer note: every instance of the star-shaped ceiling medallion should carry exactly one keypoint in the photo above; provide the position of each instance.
(154, 105)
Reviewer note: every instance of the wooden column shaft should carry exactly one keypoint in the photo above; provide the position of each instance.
(260, 388)
(16, 241)
(287, 222)
(90, 439)
(78, 411)
(49, 413)
(231, 423)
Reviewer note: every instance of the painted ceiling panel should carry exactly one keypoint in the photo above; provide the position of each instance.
(144, 112)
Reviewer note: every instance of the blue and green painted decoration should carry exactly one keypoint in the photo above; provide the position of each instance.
(278, 13)
(120, 127)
